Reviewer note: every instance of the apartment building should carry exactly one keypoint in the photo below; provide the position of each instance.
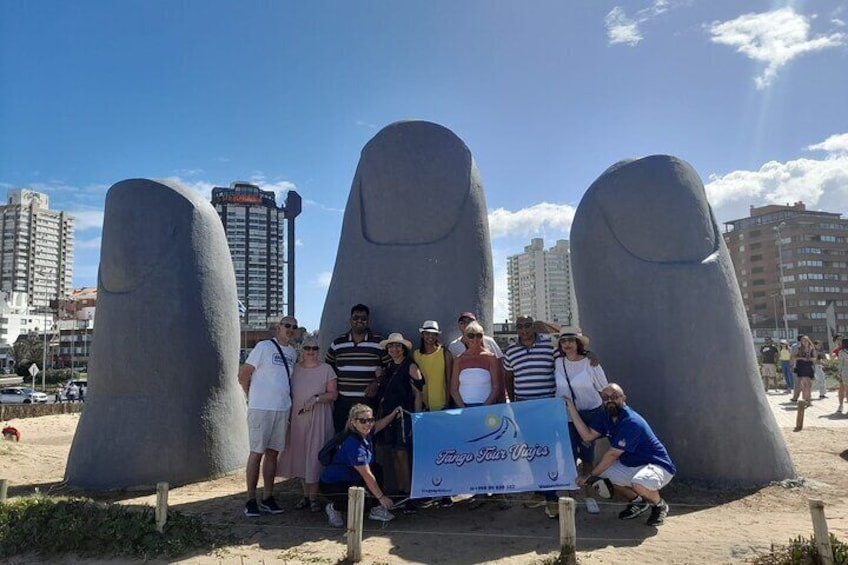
(261, 240)
(792, 267)
(540, 283)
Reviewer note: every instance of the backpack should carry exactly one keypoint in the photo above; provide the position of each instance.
(328, 452)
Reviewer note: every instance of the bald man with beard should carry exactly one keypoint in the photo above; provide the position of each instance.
(636, 463)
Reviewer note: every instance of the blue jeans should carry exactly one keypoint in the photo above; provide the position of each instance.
(787, 374)
(585, 451)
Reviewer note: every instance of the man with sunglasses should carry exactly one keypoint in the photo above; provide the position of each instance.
(458, 346)
(357, 358)
(636, 463)
(265, 378)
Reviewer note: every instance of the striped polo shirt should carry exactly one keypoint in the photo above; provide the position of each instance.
(354, 363)
(532, 368)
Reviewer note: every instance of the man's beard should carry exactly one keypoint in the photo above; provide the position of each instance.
(612, 409)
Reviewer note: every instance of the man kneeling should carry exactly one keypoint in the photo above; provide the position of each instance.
(636, 463)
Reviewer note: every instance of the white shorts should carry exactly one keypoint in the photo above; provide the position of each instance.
(652, 477)
(266, 429)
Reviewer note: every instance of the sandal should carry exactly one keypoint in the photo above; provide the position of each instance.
(314, 505)
(302, 503)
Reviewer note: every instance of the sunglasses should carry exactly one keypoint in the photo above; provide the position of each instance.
(311, 348)
(610, 397)
(474, 336)
(465, 320)
(365, 420)
(289, 326)
(524, 325)
(359, 318)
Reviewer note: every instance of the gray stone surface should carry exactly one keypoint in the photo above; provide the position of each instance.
(415, 239)
(163, 403)
(658, 296)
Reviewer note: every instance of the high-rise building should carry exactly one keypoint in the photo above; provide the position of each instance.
(37, 253)
(261, 239)
(541, 285)
(791, 262)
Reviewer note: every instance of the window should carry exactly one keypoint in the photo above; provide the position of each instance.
(758, 257)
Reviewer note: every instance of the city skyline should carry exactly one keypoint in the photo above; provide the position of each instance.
(546, 96)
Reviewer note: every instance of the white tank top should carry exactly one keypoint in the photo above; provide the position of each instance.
(475, 385)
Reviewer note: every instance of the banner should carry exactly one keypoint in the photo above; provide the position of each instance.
(516, 447)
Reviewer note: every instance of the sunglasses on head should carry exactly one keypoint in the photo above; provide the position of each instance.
(310, 348)
(365, 420)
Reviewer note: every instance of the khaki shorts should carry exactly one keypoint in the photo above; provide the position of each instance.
(266, 429)
(652, 477)
(769, 370)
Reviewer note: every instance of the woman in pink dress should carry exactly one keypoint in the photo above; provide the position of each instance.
(313, 390)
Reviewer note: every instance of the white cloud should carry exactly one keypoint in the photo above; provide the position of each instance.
(202, 187)
(773, 38)
(298, 243)
(529, 221)
(500, 310)
(363, 123)
(323, 279)
(819, 183)
(325, 208)
(87, 219)
(624, 30)
(621, 29)
(835, 144)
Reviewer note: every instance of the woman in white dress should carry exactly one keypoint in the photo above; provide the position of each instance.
(579, 381)
(476, 376)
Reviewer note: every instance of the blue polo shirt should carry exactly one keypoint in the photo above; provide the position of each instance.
(353, 452)
(634, 436)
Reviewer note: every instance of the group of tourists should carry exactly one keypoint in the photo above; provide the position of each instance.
(802, 362)
(326, 421)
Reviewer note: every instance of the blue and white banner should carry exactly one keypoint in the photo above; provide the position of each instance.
(516, 447)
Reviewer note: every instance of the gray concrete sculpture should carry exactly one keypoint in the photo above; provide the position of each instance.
(415, 239)
(163, 402)
(658, 295)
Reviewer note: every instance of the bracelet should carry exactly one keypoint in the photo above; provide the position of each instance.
(317, 398)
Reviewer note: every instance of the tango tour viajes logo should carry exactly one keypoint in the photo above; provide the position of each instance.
(496, 445)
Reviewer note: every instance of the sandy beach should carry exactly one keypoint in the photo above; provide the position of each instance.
(704, 527)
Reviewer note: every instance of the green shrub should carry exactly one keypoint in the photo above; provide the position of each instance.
(803, 551)
(53, 526)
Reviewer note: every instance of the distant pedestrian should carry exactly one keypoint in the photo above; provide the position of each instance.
(842, 373)
(818, 370)
(785, 356)
(768, 358)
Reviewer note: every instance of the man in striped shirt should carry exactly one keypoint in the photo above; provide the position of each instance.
(357, 359)
(529, 364)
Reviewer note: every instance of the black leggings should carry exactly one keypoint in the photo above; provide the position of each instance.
(337, 492)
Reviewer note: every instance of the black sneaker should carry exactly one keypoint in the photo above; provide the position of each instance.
(251, 509)
(270, 506)
(658, 514)
(633, 510)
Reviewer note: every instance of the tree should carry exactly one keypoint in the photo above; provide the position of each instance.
(28, 349)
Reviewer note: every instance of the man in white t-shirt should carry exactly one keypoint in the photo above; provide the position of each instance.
(458, 346)
(265, 378)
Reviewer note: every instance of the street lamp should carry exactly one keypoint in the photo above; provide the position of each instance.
(774, 302)
(782, 284)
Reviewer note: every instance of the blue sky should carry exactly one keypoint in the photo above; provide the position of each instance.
(546, 94)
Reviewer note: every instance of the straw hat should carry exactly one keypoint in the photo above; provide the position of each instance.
(580, 337)
(396, 338)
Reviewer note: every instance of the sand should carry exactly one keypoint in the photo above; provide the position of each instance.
(703, 527)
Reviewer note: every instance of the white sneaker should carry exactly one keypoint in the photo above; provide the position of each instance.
(381, 514)
(592, 506)
(336, 518)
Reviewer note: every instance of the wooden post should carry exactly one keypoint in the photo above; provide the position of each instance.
(820, 532)
(161, 506)
(355, 516)
(4, 486)
(567, 532)
(799, 418)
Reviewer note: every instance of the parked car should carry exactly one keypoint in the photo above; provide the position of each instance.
(21, 395)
